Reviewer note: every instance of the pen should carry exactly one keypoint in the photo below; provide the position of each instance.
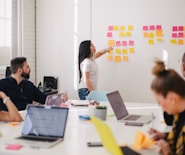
(153, 117)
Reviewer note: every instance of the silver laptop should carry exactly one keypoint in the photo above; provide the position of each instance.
(54, 100)
(121, 112)
(44, 127)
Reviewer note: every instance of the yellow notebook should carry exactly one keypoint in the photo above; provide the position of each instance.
(108, 139)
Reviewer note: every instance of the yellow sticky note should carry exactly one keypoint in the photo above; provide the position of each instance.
(111, 42)
(124, 51)
(109, 57)
(150, 42)
(125, 58)
(13, 123)
(145, 34)
(128, 34)
(121, 34)
(116, 28)
(122, 28)
(131, 50)
(151, 35)
(159, 33)
(159, 39)
(118, 51)
(117, 58)
(141, 141)
(173, 41)
(181, 42)
(130, 28)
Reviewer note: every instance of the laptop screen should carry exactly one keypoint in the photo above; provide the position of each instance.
(117, 104)
(45, 121)
(54, 100)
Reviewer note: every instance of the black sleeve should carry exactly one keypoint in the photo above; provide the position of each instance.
(168, 118)
(39, 96)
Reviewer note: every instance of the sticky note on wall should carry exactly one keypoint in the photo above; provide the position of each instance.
(117, 58)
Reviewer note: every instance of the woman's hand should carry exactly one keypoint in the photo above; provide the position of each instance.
(156, 135)
(109, 49)
(164, 146)
(64, 97)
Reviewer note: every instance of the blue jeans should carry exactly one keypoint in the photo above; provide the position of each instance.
(83, 93)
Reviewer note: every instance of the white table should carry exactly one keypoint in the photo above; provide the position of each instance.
(79, 132)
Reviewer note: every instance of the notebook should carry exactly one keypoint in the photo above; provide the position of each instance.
(121, 112)
(43, 127)
(109, 141)
(54, 100)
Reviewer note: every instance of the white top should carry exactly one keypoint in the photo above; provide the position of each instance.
(90, 66)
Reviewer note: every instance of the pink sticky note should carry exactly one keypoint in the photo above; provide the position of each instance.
(152, 27)
(158, 27)
(145, 28)
(110, 28)
(109, 34)
(131, 43)
(174, 35)
(181, 28)
(118, 43)
(174, 28)
(124, 43)
(13, 147)
(181, 35)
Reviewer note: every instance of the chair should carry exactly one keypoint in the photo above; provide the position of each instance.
(8, 71)
(97, 96)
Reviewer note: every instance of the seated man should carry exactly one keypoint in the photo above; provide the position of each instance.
(12, 114)
(17, 86)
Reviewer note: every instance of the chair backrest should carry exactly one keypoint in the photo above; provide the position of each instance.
(97, 96)
(8, 71)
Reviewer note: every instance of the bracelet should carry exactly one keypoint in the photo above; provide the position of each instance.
(5, 100)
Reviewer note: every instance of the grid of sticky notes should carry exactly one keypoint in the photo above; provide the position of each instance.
(177, 36)
(120, 37)
(153, 33)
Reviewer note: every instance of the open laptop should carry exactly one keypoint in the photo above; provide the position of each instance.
(108, 139)
(43, 127)
(54, 100)
(121, 112)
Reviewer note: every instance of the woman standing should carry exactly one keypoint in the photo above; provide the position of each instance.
(88, 68)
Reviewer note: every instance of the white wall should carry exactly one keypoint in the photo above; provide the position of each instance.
(55, 47)
(133, 78)
(55, 42)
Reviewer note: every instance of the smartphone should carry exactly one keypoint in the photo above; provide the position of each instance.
(134, 124)
(94, 144)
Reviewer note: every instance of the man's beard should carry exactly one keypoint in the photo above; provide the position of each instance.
(25, 75)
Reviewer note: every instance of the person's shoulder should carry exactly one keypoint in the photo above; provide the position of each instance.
(7, 79)
(86, 61)
(27, 82)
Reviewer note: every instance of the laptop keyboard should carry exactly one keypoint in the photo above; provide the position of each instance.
(132, 117)
(43, 139)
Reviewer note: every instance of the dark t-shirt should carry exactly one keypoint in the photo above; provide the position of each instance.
(20, 94)
(168, 118)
